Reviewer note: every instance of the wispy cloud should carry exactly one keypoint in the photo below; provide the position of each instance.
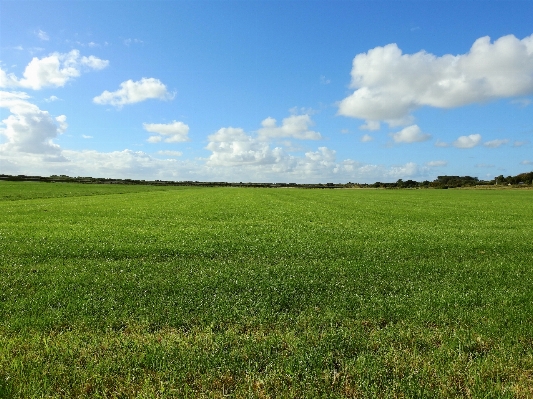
(129, 42)
(324, 80)
(496, 143)
(42, 35)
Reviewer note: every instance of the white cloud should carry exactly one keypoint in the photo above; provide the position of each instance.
(526, 163)
(495, 143)
(410, 134)
(254, 159)
(231, 146)
(367, 138)
(436, 164)
(86, 136)
(116, 164)
(126, 163)
(390, 85)
(131, 92)
(51, 99)
(469, 141)
(370, 125)
(54, 70)
(171, 153)
(410, 169)
(441, 144)
(295, 126)
(154, 139)
(94, 62)
(313, 166)
(28, 129)
(175, 132)
(42, 35)
(62, 121)
(520, 143)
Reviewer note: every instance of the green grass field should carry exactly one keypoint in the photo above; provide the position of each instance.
(139, 291)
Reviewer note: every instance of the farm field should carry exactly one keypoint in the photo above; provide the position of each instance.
(140, 291)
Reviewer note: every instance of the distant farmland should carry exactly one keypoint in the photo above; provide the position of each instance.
(161, 291)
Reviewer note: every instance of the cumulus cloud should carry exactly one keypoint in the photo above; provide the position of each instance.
(366, 138)
(441, 144)
(389, 85)
(518, 143)
(469, 141)
(436, 164)
(406, 170)
(131, 92)
(29, 129)
(54, 70)
(495, 143)
(295, 126)
(526, 162)
(174, 132)
(232, 146)
(410, 134)
(256, 160)
(312, 166)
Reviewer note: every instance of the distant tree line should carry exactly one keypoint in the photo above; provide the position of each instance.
(522, 178)
(441, 182)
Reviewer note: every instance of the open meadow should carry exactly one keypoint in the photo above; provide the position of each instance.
(140, 291)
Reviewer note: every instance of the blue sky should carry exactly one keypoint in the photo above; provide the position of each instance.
(266, 91)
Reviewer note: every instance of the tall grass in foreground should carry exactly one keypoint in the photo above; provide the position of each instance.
(189, 292)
